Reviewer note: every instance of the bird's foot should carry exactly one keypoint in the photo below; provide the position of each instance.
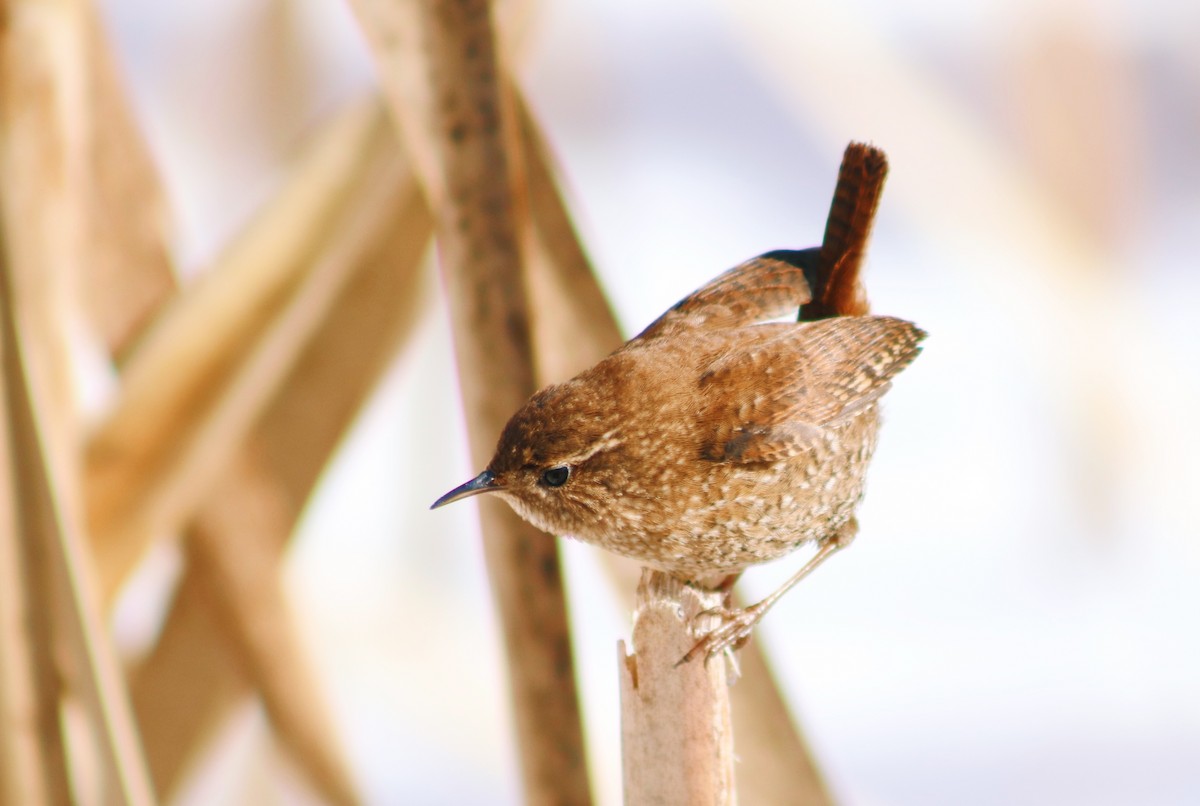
(729, 635)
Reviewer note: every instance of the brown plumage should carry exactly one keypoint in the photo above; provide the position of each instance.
(716, 438)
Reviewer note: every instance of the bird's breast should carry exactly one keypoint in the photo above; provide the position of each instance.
(698, 516)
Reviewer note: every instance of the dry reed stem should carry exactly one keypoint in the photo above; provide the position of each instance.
(561, 286)
(186, 687)
(66, 630)
(481, 266)
(45, 132)
(393, 32)
(27, 776)
(33, 763)
(676, 731)
(39, 218)
(218, 598)
(21, 749)
(189, 392)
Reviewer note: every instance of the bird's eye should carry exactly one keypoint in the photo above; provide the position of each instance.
(556, 476)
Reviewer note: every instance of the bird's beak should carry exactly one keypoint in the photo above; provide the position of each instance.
(483, 483)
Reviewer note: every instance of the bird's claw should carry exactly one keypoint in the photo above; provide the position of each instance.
(732, 633)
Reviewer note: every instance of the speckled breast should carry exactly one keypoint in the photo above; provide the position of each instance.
(739, 514)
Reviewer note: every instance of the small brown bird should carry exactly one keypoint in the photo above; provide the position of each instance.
(714, 439)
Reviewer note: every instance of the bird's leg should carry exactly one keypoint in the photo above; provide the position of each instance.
(738, 623)
(726, 587)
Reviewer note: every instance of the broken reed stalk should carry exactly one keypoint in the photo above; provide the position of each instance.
(481, 266)
(774, 763)
(676, 731)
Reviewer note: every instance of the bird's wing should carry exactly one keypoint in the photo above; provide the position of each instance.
(762, 288)
(776, 393)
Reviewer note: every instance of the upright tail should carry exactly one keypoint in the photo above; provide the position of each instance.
(837, 289)
(828, 283)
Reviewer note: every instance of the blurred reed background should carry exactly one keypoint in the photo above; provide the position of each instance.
(1017, 622)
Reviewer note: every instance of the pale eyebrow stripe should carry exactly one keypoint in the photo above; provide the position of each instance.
(606, 443)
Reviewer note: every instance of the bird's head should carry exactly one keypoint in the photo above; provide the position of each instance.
(556, 462)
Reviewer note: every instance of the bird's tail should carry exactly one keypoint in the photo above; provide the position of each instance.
(837, 288)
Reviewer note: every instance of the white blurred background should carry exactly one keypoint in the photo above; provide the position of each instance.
(1018, 620)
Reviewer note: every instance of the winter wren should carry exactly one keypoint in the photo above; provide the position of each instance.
(715, 438)
(712, 440)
